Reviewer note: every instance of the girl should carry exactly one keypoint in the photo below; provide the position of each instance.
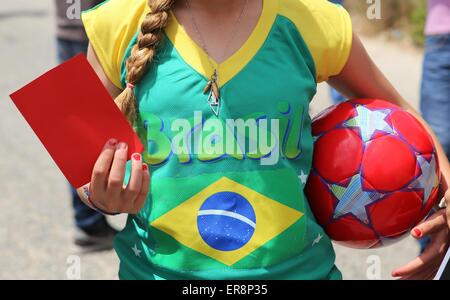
(193, 64)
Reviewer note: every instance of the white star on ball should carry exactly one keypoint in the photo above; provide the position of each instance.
(369, 121)
(352, 199)
(428, 179)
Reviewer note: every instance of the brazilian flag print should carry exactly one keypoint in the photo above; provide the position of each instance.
(236, 220)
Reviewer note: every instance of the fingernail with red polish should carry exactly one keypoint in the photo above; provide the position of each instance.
(417, 232)
(144, 167)
(137, 156)
(395, 274)
(112, 142)
(121, 146)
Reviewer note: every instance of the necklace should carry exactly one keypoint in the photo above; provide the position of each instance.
(212, 87)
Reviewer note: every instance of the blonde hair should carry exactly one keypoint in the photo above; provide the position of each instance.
(142, 54)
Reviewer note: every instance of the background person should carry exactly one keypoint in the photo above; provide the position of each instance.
(435, 89)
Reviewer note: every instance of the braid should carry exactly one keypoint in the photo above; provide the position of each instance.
(142, 54)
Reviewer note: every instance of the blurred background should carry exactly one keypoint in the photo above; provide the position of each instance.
(37, 225)
(400, 19)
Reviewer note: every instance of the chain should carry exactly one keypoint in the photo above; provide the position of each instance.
(202, 40)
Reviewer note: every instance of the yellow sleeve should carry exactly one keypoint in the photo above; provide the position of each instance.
(110, 27)
(326, 29)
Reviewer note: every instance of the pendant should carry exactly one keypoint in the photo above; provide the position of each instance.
(214, 94)
(214, 102)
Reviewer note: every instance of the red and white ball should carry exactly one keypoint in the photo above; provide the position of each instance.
(375, 172)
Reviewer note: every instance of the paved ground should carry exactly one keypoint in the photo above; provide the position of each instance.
(36, 226)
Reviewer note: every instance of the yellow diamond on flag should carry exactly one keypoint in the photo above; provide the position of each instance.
(227, 221)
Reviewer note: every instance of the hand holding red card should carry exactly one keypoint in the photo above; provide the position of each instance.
(73, 115)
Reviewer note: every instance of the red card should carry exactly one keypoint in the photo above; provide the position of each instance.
(73, 115)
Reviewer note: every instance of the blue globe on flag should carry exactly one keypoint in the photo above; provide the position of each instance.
(226, 221)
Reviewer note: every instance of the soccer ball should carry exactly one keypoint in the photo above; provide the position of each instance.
(375, 172)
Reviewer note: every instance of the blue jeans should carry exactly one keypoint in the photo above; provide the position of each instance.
(85, 217)
(435, 92)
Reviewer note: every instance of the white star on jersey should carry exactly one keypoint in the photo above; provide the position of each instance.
(317, 239)
(136, 251)
(303, 177)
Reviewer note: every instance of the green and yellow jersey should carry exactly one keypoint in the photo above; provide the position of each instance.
(226, 214)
